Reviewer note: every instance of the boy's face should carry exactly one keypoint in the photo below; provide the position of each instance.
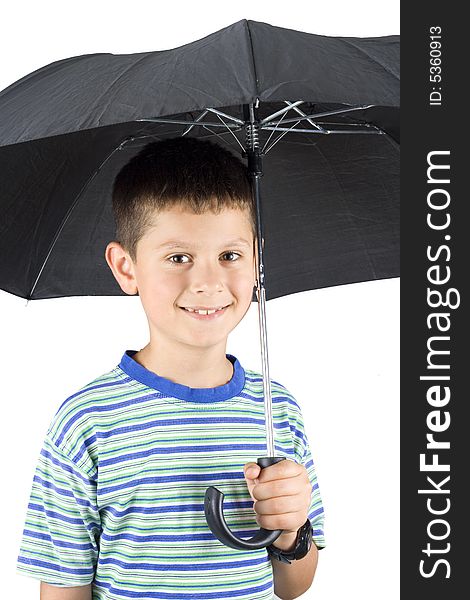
(191, 261)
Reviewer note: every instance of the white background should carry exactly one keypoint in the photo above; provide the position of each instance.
(335, 349)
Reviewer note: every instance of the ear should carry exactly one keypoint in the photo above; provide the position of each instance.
(122, 267)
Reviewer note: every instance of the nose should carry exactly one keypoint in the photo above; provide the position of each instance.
(207, 277)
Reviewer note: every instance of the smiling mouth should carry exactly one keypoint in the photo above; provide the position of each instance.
(205, 311)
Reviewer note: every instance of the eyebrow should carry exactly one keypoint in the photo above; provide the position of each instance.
(183, 244)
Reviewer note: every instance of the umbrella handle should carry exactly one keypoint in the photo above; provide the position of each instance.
(214, 510)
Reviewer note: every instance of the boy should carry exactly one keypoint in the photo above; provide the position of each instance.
(117, 505)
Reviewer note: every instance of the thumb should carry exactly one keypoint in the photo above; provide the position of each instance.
(251, 470)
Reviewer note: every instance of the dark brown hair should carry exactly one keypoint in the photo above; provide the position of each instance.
(197, 174)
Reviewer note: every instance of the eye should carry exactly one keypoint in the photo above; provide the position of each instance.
(177, 258)
(177, 262)
(235, 254)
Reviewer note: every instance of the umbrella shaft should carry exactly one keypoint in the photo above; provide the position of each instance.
(265, 364)
(255, 169)
(262, 322)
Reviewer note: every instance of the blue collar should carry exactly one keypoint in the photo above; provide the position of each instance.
(183, 392)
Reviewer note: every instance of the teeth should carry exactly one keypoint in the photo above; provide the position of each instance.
(204, 312)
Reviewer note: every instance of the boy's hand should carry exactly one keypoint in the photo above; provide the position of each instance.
(281, 493)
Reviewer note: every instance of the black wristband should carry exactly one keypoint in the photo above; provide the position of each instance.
(303, 543)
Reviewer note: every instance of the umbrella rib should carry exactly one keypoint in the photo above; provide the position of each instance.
(220, 113)
(180, 122)
(201, 116)
(230, 127)
(272, 133)
(69, 212)
(323, 114)
(238, 141)
(370, 130)
(220, 136)
(316, 128)
(298, 111)
(350, 124)
(282, 111)
(281, 136)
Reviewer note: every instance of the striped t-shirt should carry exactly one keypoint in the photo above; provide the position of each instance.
(118, 494)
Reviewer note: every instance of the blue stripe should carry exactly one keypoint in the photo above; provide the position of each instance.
(67, 468)
(182, 567)
(85, 390)
(181, 450)
(96, 408)
(56, 515)
(62, 492)
(48, 565)
(192, 477)
(182, 595)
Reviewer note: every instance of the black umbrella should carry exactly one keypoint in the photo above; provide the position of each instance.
(316, 116)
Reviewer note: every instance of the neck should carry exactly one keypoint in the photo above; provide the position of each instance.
(191, 366)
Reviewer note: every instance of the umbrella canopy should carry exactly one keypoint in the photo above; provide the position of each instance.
(327, 124)
(316, 116)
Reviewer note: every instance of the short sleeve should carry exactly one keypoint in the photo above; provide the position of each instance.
(303, 456)
(60, 543)
(316, 513)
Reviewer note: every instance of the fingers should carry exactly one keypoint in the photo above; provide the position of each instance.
(281, 505)
(288, 522)
(294, 486)
(281, 494)
(281, 470)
